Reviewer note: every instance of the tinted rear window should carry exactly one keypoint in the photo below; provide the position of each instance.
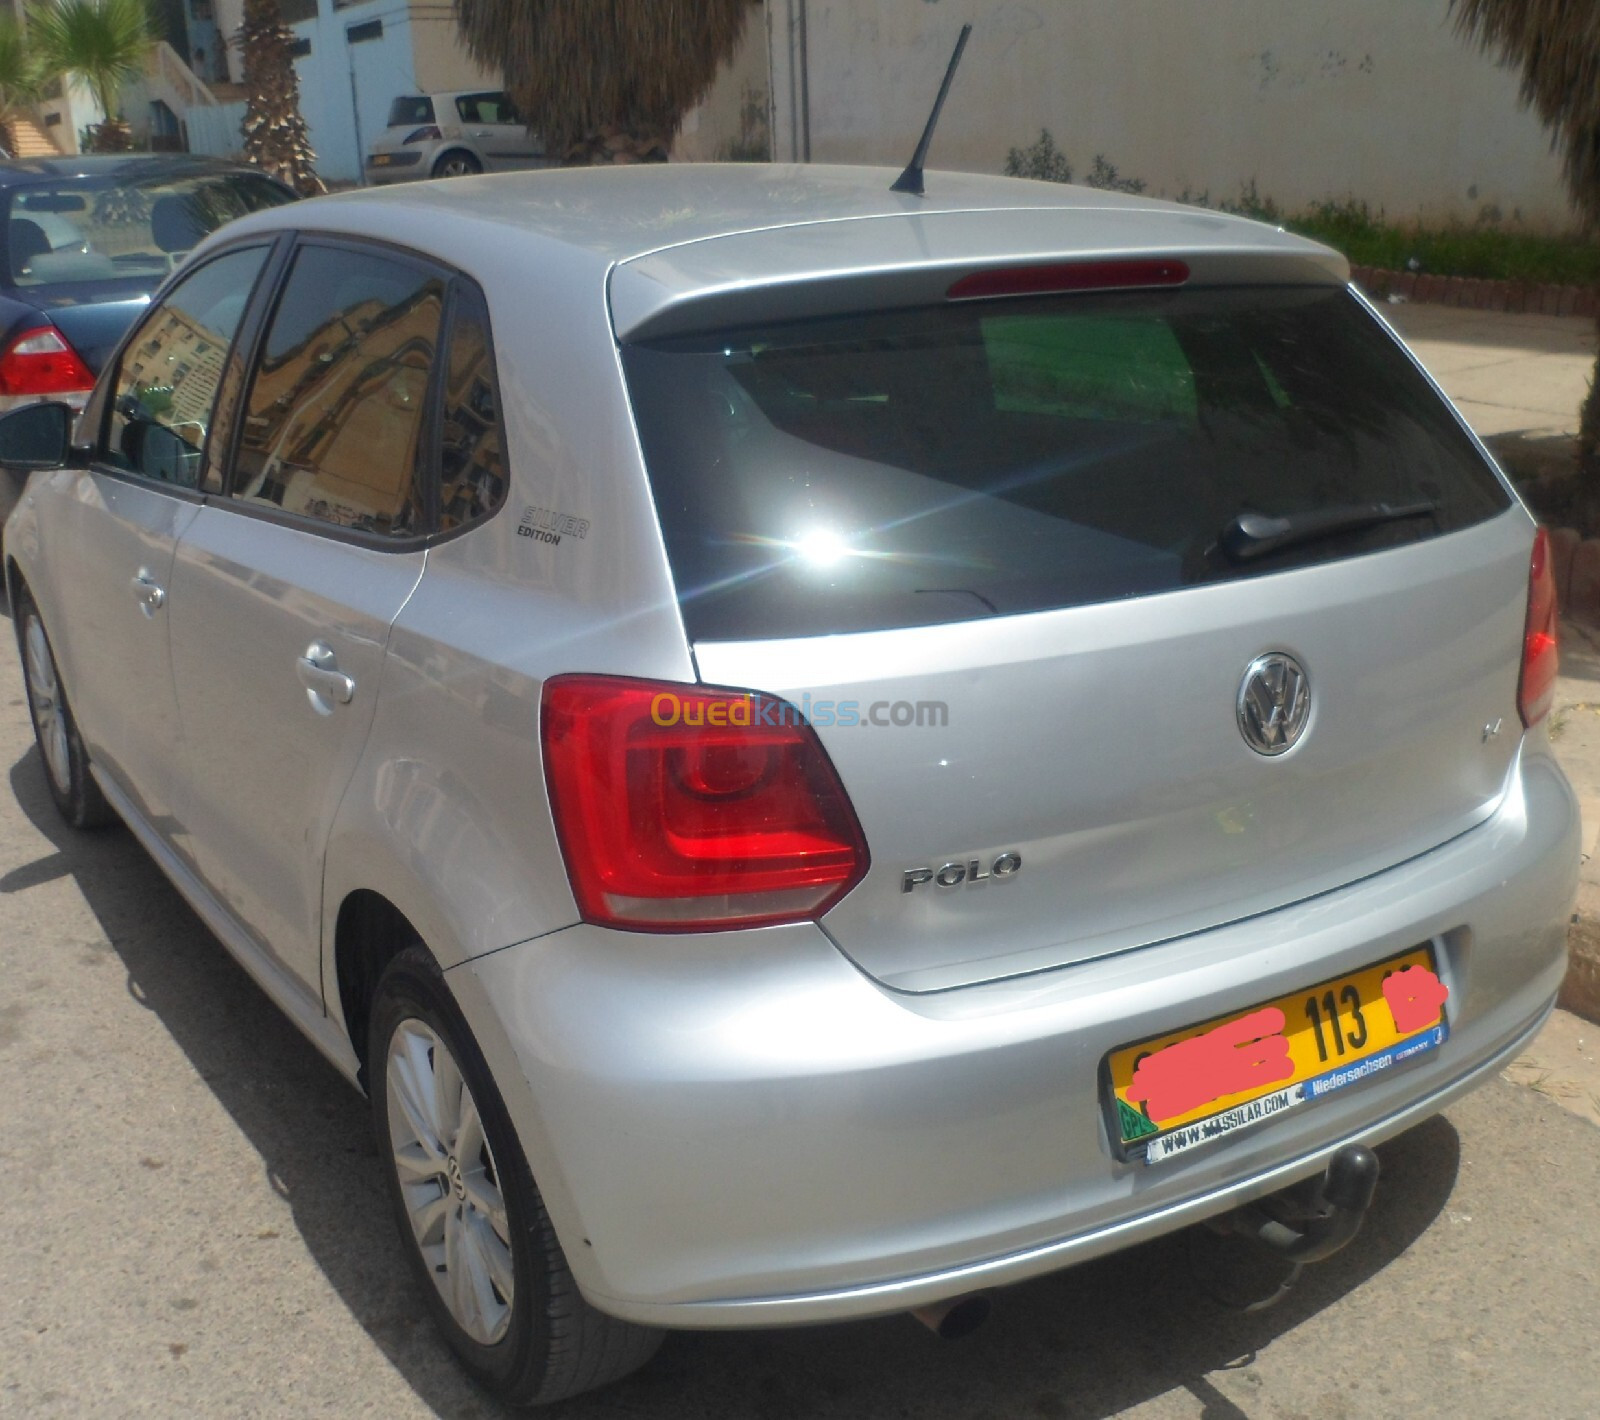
(909, 468)
(410, 110)
(89, 239)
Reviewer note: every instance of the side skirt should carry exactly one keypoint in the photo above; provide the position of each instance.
(286, 991)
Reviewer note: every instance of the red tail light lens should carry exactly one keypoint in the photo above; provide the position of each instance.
(1073, 276)
(429, 134)
(687, 810)
(39, 361)
(1540, 654)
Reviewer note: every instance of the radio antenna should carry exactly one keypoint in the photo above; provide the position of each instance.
(911, 179)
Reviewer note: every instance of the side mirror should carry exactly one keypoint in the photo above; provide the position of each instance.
(36, 436)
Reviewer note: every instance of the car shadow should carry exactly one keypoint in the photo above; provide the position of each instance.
(1091, 1341)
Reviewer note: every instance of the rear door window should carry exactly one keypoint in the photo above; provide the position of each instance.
(989, 458)
(335, 425)
(410, 110)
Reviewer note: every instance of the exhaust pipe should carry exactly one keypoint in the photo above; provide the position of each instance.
(959, 1316)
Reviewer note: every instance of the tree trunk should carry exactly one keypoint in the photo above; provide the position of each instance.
(619, 146)
(112, 136)
(274, 130)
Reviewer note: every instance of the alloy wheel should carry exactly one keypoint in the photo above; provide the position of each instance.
(449, 1182)
(44, 699)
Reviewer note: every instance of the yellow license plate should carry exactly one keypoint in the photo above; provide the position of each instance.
(1173, 1093)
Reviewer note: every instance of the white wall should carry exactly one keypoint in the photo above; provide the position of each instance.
(346, 89)
(1313, 99)
(216, 130)
(734, 116)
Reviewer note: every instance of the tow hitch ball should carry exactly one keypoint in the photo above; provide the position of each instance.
(1314, 1219)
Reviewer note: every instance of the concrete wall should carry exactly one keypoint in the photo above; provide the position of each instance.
(1311, 99)
(733, 120)
(441, 61)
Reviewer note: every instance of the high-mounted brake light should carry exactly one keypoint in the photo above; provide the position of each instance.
(680, 809)
(1069, 276)
(1536, 689)
(40, 362)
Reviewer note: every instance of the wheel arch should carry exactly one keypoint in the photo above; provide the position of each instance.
(457, 148)
(370, 931)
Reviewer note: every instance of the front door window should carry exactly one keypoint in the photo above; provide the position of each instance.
(171, 369)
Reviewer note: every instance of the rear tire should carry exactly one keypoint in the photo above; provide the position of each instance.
(470, 1216)
(66, 763)
(456, 163)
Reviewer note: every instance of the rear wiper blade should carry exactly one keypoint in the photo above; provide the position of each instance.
(1253, 535)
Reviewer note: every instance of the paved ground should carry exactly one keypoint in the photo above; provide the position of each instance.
(194, 1223)
(1509, 374)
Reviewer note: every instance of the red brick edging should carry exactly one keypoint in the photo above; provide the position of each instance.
(1517, 297)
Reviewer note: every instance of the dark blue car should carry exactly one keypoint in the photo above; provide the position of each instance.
(85, 242)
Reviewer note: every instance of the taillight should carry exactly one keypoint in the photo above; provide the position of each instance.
(429, 134)
(1068, 276)
(39, 361)
(681, 809)
(1540, 655)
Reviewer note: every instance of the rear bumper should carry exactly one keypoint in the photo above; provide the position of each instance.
(742, 1129)
(403, 166)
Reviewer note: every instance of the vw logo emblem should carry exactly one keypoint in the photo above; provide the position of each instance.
(1274, 703)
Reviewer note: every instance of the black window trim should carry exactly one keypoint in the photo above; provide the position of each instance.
(378, 542)
(100, 406)
(246, 347)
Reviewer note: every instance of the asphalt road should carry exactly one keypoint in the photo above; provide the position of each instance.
(192, 1223)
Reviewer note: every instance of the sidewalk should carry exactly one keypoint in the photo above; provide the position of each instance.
(1519, 380)
(1521, 377)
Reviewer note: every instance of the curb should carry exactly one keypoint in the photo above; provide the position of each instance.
(1473, 293)
(1580, 991)
(1575, 565)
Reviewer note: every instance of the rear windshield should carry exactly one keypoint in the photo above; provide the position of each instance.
(87, 239)
(984, 459)
(410, 110)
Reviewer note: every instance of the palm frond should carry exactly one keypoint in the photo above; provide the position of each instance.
(579, 67)
(103, 43)
(1556, 46)
(21, 78)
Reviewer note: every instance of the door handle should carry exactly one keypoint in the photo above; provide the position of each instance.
(149, 593)
(324, 682)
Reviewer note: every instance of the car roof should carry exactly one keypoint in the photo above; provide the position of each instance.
(125, 167)
(685, 229)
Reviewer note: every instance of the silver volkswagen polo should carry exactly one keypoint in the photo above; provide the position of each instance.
(815, 751)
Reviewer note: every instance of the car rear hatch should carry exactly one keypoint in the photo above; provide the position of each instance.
(1015, 551)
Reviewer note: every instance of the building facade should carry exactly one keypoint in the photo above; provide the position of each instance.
(1350, 99)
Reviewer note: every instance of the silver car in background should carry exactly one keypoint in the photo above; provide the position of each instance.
(452, 135)
(814, 750)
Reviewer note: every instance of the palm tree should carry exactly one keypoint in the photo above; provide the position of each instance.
(274, 129)
(21, 79)
(1556, 45)
(604, 80)
(101, 43)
